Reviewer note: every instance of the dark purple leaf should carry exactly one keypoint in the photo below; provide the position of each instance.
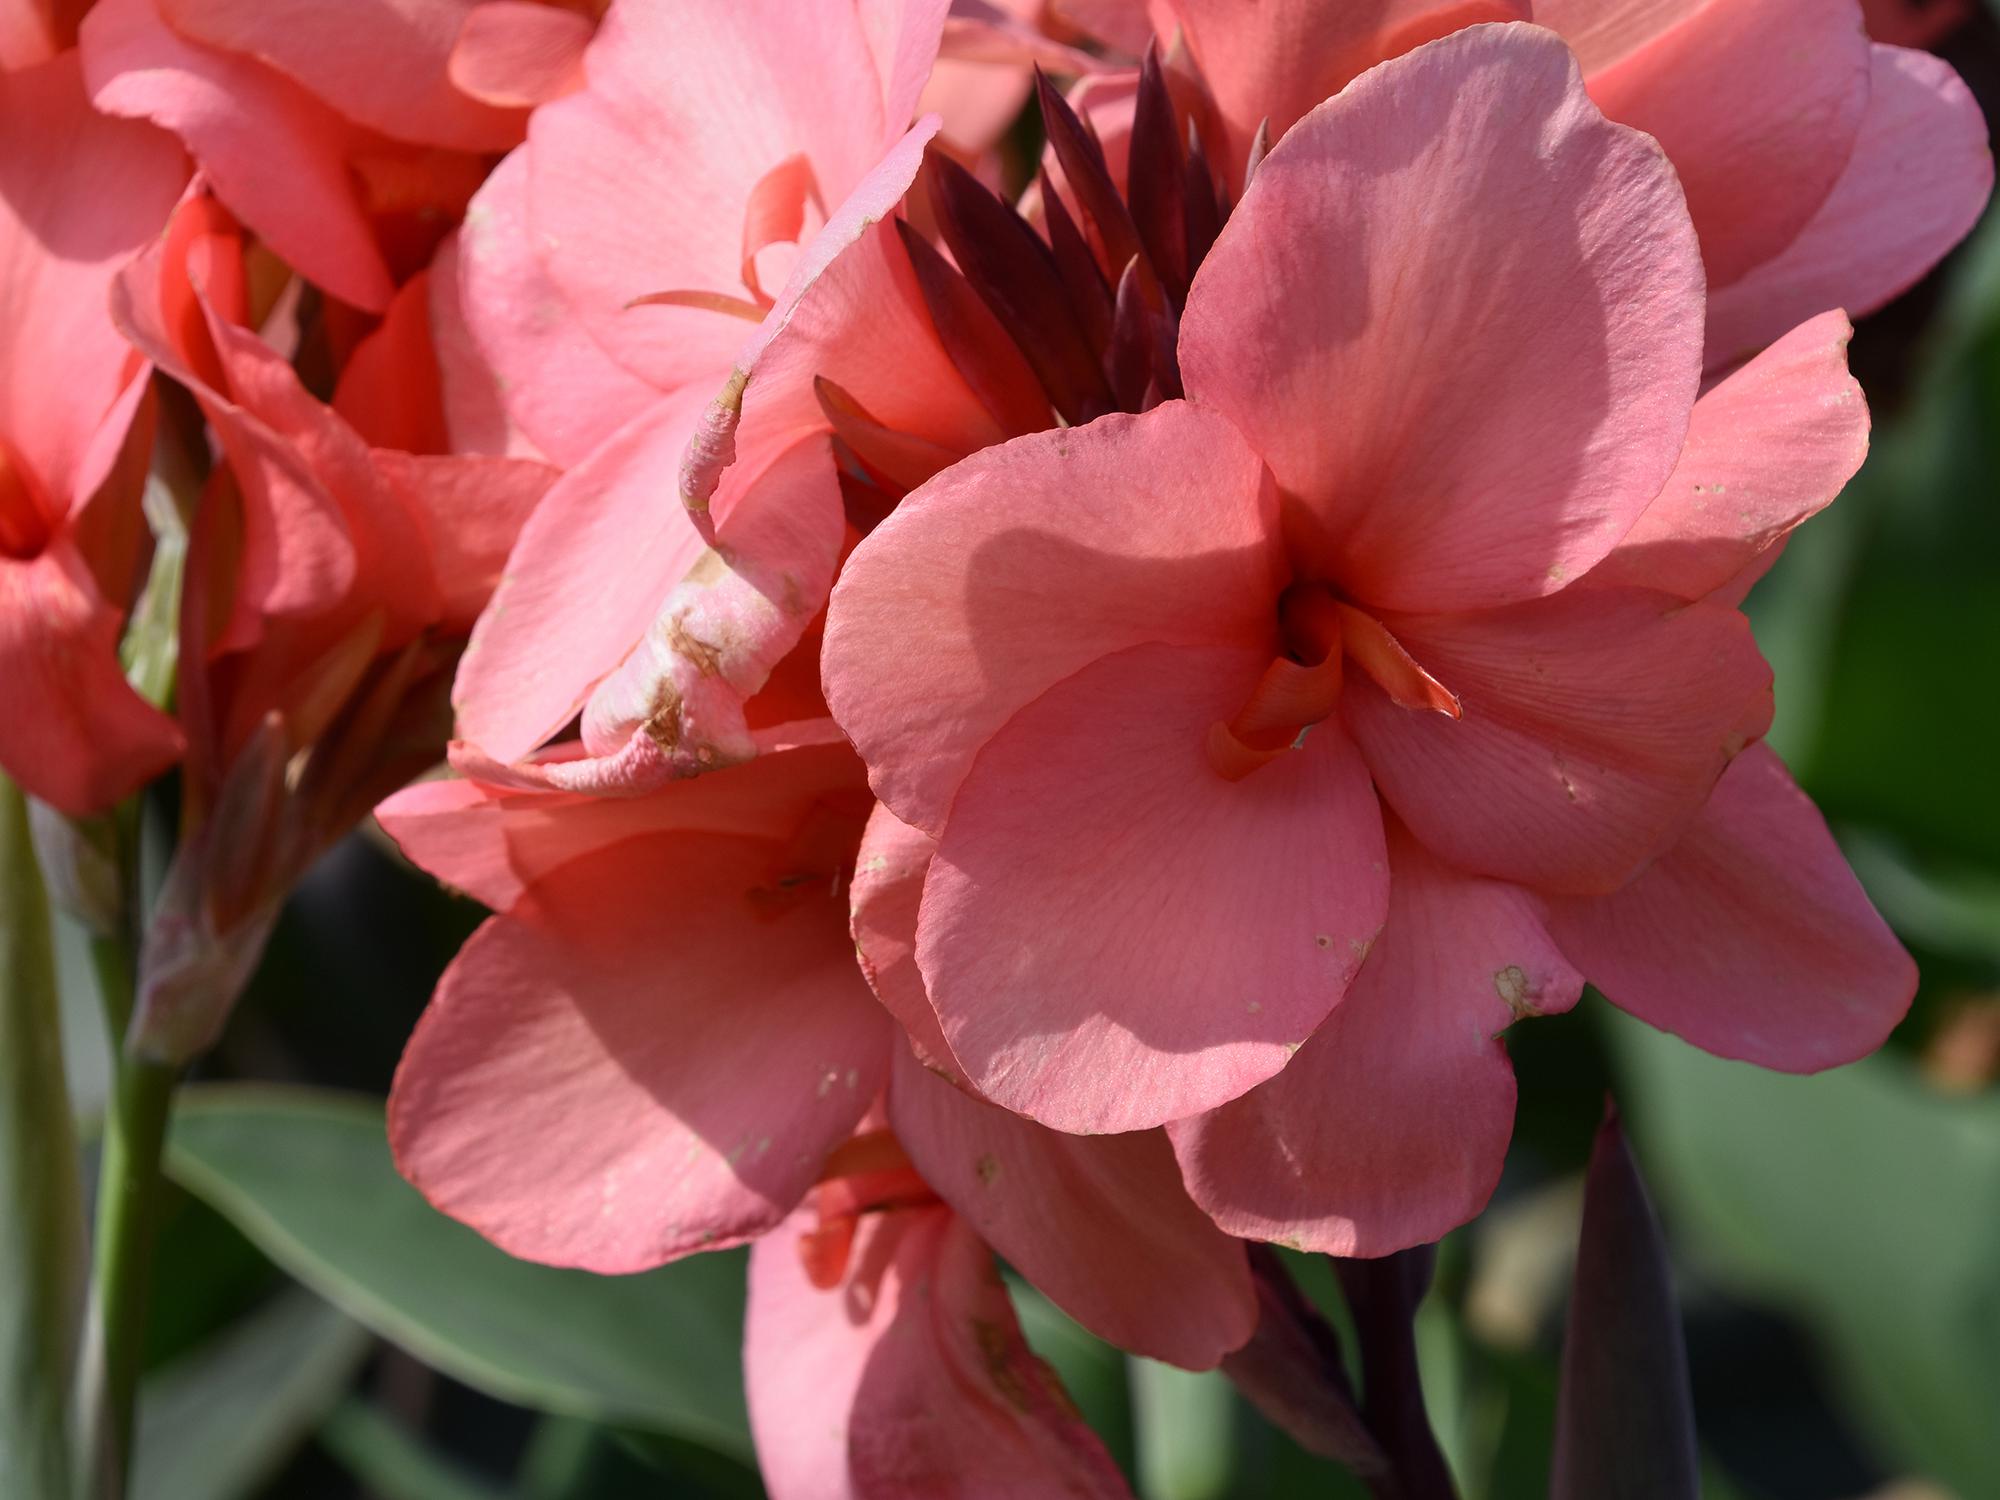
(1106, 222)
(1155, 179)
(990, 361)
(1383, 1295)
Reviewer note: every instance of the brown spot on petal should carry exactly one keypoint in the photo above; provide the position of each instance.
(1512, 985)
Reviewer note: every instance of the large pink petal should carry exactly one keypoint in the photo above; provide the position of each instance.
(1750, 937)
(1101, 1224)
(1595, 723)
(1757, 105)
(1390, 1126)
(74, 733)
(565, 393)
(237, 117)
(1459, 314)
(640, 183)
(886, 898)
(1275, 61)
(1769, 446)
(1920, 174)
(80, 194)
(910, 1379)
(494, 842)
(651, 1056)
(381, 63)
(1031, 560)
(1113, 935)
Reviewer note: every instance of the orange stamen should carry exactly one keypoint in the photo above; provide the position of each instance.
(1394, 670)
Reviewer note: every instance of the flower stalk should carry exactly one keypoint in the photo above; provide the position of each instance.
(41, 1235)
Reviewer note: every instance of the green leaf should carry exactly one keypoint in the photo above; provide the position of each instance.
(41, 1204)
(306, 1174)
(1185, 1423)
(216, 1424)
(1860, 1202)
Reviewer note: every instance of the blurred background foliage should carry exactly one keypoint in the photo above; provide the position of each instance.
(320, 1334)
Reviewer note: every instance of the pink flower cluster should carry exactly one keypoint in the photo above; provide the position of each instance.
(1064, 728)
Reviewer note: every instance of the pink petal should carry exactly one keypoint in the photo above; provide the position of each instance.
(1757, 106)
(910, 1380)
(519, 52)
(475, 409)
(640, 183)
(470, 511)
(885, 899)
(1029, 561)
(80, 195)
(652, 1055)
(1126, 24)
(1390, 1127)
(1499, 294)
(494, 842)
(389, 390)
(74, 733)
(1595, 723)
(27, 36)
(1750, 937)
(1769, 446)
(1919, 176)
(1101, 1224)
(1114, 936)
(1275, 61)
(381, 63)
(564, 391)
(237, 117)
(607, 531)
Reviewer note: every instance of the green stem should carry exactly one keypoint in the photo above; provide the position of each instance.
(41, 1225)
(128, 1200)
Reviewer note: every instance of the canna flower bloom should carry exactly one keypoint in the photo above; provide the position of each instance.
(79, 196)
(660, 1043)
(329, 586)
(760, 260)
(1369, 698)
(381, 147)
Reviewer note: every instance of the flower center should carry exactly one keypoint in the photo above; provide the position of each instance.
(1322, 632)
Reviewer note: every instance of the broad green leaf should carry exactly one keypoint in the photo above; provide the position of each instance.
(306, 1174)
(216, 1424)
(1859, 1201)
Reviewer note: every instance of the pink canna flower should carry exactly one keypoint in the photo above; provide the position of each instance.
(763, 264)
(1324, 713)
(381, 146)
(884, 1360)
(79, 195)
(664, 1025)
